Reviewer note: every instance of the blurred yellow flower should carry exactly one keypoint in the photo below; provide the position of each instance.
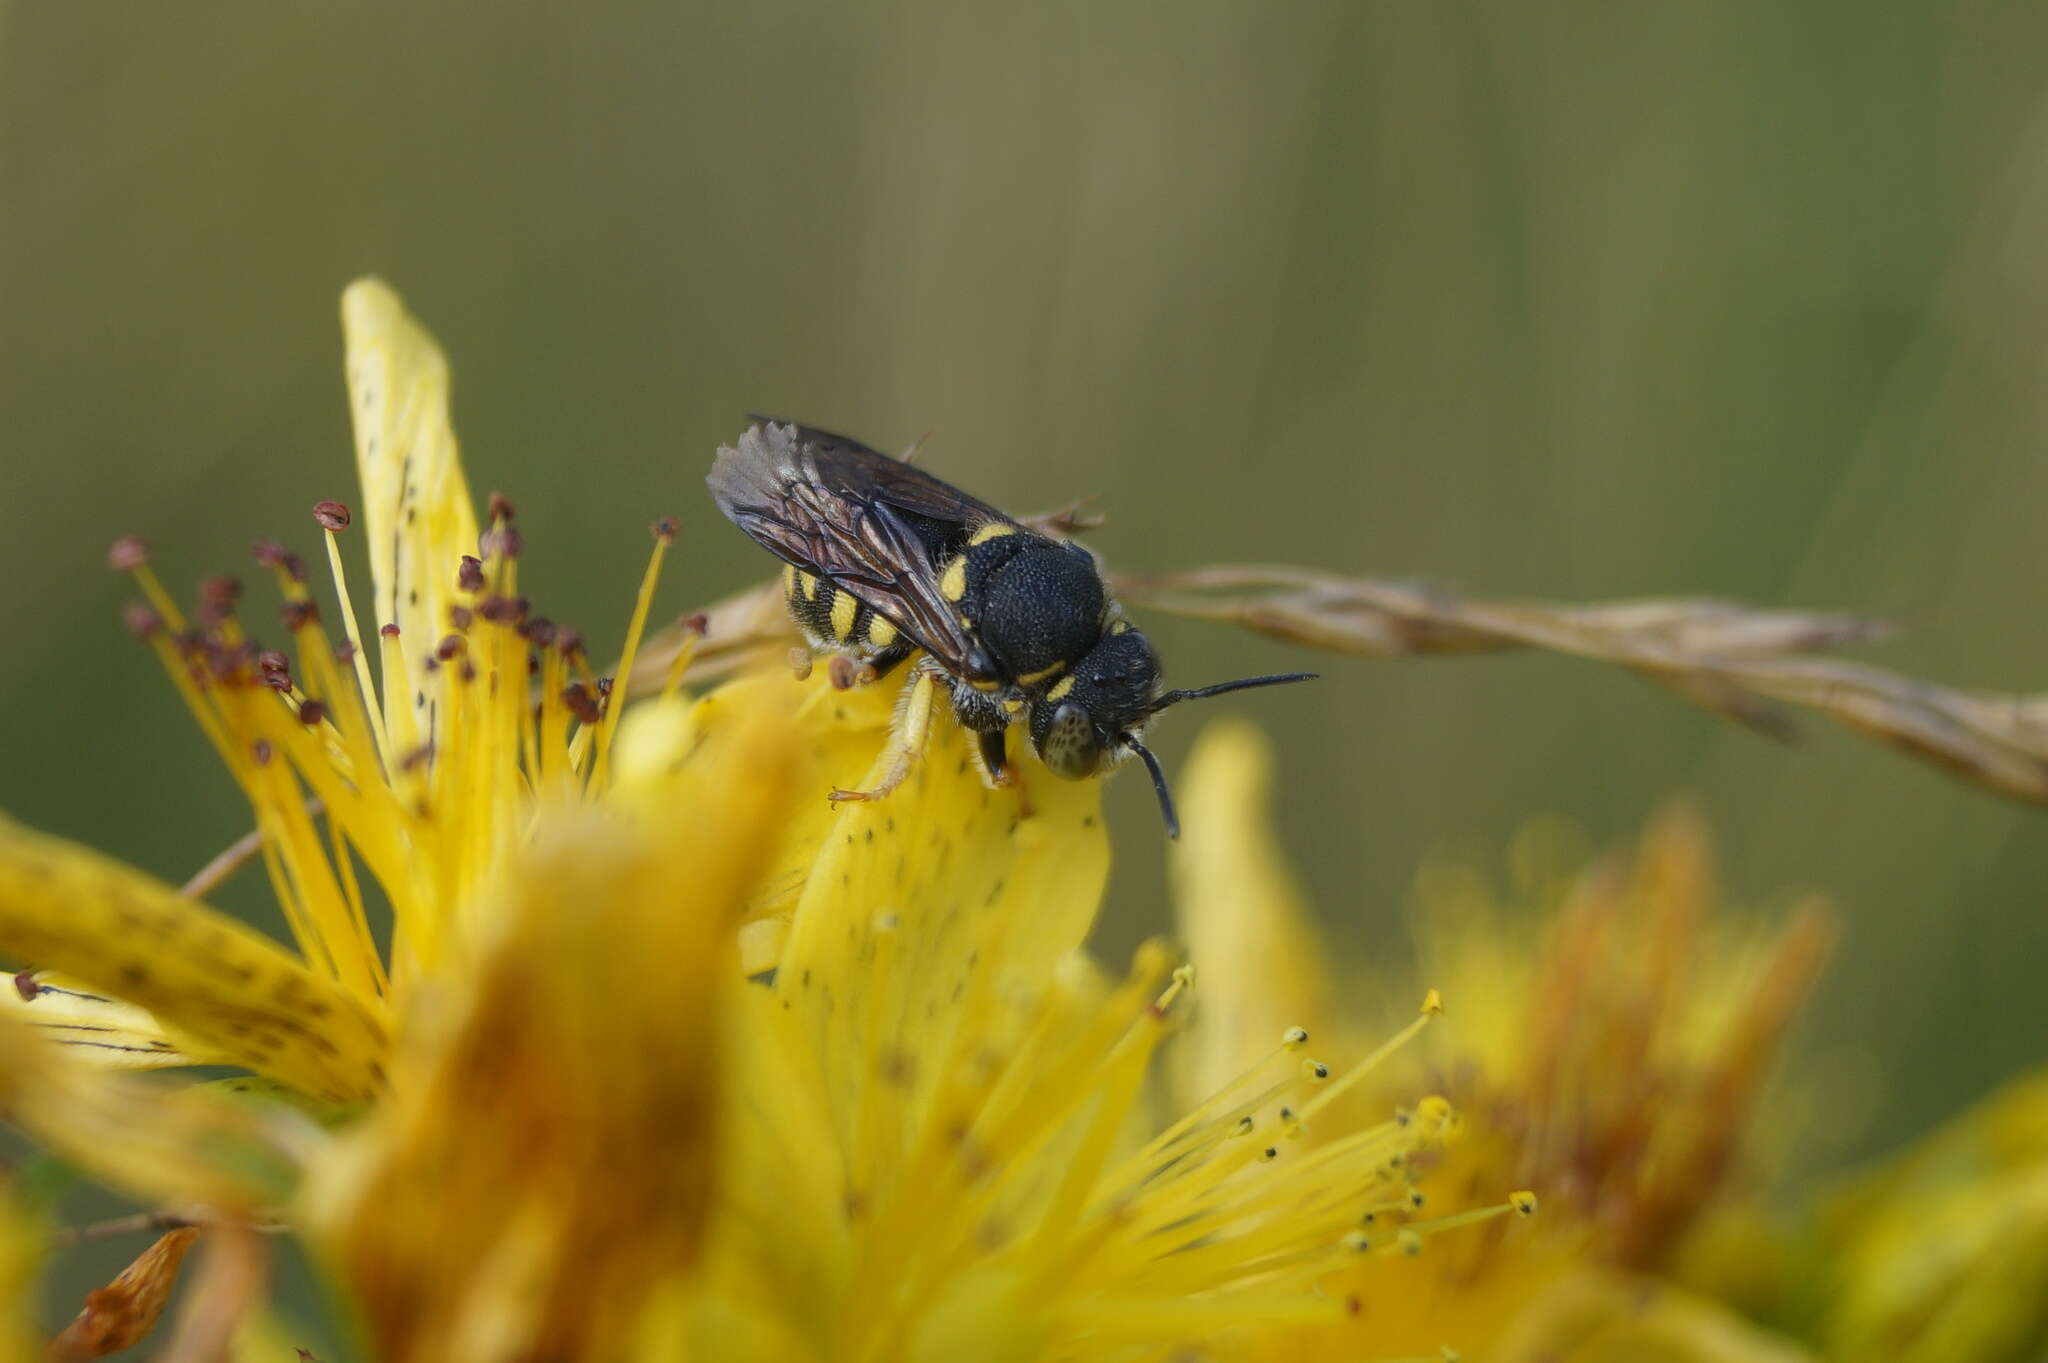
(1610, 1059)
(1942, 1253)
(554, 1116)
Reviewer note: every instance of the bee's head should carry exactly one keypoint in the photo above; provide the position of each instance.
(1093, 717)
(1092, 713)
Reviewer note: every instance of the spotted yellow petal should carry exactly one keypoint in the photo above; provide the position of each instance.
(911, 906)
(546, 1148)
(244, 998)
(1260, 960)
(416, 508)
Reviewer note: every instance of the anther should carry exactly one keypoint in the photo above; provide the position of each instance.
(141, 621)
(26, 986)
(568, 642)
(261, 751)
(504, 541)
(501, 508)
(1523, 1201)
(269, 553)
(345, 653)
(664, 529)
(470, 575)
(228, 664)
(841, 672)
(1315, 1069)
(389, 631)
(1410, 1242)
(1244, 1126)
(698, 623)
(1269, 1154)
(1416, 1199)
(332, 515)
(576, 696)
(499, 610)
(311, 712)
(298, 614)
(1358, 1242)
(539, 631)
(127, 553)
(1294, 1038)
(217, 597)
(294, 566)
(1432, 1004)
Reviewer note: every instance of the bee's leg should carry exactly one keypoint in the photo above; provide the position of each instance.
(887, 660)
(800, 661)
(847, 673)
(993, 763)
(913, 728)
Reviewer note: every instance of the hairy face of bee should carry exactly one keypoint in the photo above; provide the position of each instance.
(1091, 714)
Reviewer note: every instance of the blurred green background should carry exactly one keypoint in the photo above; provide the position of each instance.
(1559, 299)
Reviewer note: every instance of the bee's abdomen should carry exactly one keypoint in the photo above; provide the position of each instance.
(831, 618)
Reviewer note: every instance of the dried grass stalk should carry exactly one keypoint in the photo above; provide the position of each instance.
(1748, 663)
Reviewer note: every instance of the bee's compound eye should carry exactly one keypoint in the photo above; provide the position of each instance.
(1070, 746)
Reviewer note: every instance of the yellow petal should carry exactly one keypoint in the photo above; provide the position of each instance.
(910, 905)
(1944, 1254)
(545, 1152)
(837, 735)
(162, 1142)
(245, 999)
(1261, 964)
(97, 1029)
(1597, 1315)
(416, 512)
(21, 1262)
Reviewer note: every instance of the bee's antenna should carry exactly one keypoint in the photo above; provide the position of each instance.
(1158, 785)
(1241, 684)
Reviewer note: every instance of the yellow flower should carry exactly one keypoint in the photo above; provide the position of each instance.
(1611, 1059)
(556, 1119)
(1942, 1253)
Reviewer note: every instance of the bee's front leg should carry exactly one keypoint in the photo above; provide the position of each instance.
(912, 731)
(994, 765)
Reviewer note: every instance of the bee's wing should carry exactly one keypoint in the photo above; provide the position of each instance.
(871, 525)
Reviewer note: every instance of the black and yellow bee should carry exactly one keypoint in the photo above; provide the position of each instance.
(885, 561)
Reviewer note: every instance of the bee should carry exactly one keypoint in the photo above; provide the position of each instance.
(884, 562)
